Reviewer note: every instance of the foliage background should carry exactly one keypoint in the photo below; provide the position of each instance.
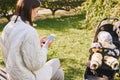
(75, 31)
(96, 10)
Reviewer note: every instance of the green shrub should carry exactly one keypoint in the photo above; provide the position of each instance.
(98, 9)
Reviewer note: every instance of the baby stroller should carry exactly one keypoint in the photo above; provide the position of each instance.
(104, 72)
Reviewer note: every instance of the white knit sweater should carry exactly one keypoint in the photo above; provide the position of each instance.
(24, 58)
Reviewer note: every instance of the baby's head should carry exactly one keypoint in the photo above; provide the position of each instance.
(105, 39)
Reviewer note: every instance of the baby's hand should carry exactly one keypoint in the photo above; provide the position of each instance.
(111, 53)
(114, 53)
(96, 45)
(117, 52)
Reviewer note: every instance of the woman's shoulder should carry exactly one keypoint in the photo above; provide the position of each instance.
(21, 24)
(30, 29)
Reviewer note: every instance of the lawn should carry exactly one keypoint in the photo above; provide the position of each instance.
(71, 44)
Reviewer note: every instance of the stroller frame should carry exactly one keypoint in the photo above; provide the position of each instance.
(104, 72)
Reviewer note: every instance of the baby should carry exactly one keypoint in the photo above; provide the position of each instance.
(105, 41)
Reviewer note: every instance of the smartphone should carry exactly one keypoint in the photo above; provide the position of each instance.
(50, 38)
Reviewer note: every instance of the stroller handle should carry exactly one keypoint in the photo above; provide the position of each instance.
(110, 19)
(107, 19)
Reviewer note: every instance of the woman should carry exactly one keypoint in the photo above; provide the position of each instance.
(23, 57)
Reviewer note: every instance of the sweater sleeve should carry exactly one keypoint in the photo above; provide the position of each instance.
(33, 56)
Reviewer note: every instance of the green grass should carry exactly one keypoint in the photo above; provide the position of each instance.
(71, 48)
(71, 44)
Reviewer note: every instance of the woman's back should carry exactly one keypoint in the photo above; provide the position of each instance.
(14, 35)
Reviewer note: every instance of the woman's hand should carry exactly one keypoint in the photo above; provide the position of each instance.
(43, 40)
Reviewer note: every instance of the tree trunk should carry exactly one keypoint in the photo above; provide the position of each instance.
(8, 17)
(53, 13)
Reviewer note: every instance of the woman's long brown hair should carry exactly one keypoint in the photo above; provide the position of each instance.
(24, 9)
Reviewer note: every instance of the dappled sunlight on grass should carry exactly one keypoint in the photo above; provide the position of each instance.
(71, 47)
(62, 23)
